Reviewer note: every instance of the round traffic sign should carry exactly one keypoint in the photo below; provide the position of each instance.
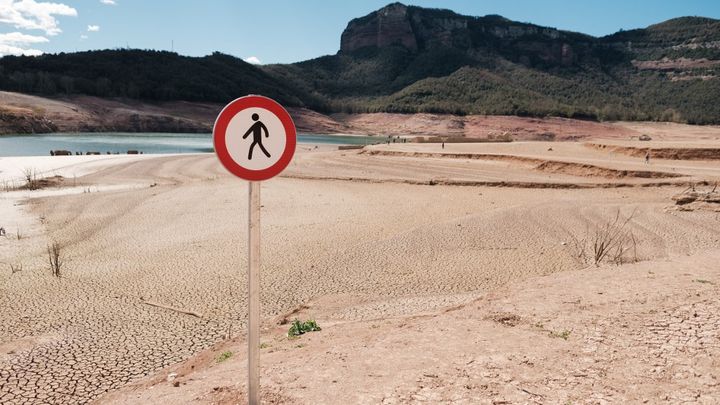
(254, 138)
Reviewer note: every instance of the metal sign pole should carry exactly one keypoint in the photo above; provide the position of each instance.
(253, 293)
(278, 149)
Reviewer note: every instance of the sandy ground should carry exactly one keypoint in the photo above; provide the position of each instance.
(360, 237)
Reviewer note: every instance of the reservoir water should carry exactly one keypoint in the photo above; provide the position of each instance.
(41, 145)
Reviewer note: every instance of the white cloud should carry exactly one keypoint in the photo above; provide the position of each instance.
(93, 28)
(16, 43)
(14, 50)
(108, 2)
(254, 60)
(32, 15)
(83, 37)
(17, 38)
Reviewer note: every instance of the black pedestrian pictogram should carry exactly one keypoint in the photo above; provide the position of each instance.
(256, 130)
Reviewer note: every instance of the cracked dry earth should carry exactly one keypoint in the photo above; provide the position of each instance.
(177, 239)
(646, 333)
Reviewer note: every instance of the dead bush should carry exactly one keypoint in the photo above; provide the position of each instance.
(55, 256)
(607, 242)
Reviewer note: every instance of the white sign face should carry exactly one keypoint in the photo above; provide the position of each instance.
(255, 138)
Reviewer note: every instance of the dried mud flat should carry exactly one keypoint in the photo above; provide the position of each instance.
(359, 239)
(641, 333)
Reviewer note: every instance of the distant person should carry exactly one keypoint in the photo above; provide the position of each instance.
(647, 158)
(256, 130)
(443, 145)
(2, 231)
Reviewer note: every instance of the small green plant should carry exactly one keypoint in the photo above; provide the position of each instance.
(265, 345)
(565, 334)
(224, 356)
(299, 328)
(701, 281)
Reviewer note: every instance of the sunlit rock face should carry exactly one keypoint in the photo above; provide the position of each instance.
(419, 29)
(388, 26)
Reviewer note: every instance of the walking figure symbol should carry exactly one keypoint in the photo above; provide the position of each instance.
(256, 131)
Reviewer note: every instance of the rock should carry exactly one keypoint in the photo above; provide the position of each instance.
(60, 153)
(710, 198)
(418, 29)
(685, 198)
(387, 26)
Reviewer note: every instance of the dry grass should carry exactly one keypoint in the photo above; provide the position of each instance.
(31, 181)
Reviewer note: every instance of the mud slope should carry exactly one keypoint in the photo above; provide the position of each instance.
(657, 152)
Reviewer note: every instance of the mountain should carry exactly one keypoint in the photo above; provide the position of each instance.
(684, 37)
(410, 59)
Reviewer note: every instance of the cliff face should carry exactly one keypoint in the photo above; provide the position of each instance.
(419, 29)
(387, 26)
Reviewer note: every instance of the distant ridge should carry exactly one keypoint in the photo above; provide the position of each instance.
(410, 59)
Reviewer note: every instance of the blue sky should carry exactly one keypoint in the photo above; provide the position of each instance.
(281, 31)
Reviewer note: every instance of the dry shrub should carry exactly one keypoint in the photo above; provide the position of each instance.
(607, 242)
(55, 256)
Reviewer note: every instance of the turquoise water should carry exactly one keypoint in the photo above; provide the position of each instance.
(41, 145)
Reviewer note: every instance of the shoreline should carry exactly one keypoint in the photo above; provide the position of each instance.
(149, 133)
(32, 114)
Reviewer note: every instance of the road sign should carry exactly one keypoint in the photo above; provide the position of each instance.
(254, 138)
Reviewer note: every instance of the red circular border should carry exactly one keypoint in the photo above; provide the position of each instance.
(220, 129)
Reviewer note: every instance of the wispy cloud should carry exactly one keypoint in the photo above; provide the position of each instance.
(83, 37)
(93, 28)
(33, 15)
(108, 2)
(254, 60)
(16, 43)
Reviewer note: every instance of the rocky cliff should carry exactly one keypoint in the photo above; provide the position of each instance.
(419, 29)
(387, 26)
